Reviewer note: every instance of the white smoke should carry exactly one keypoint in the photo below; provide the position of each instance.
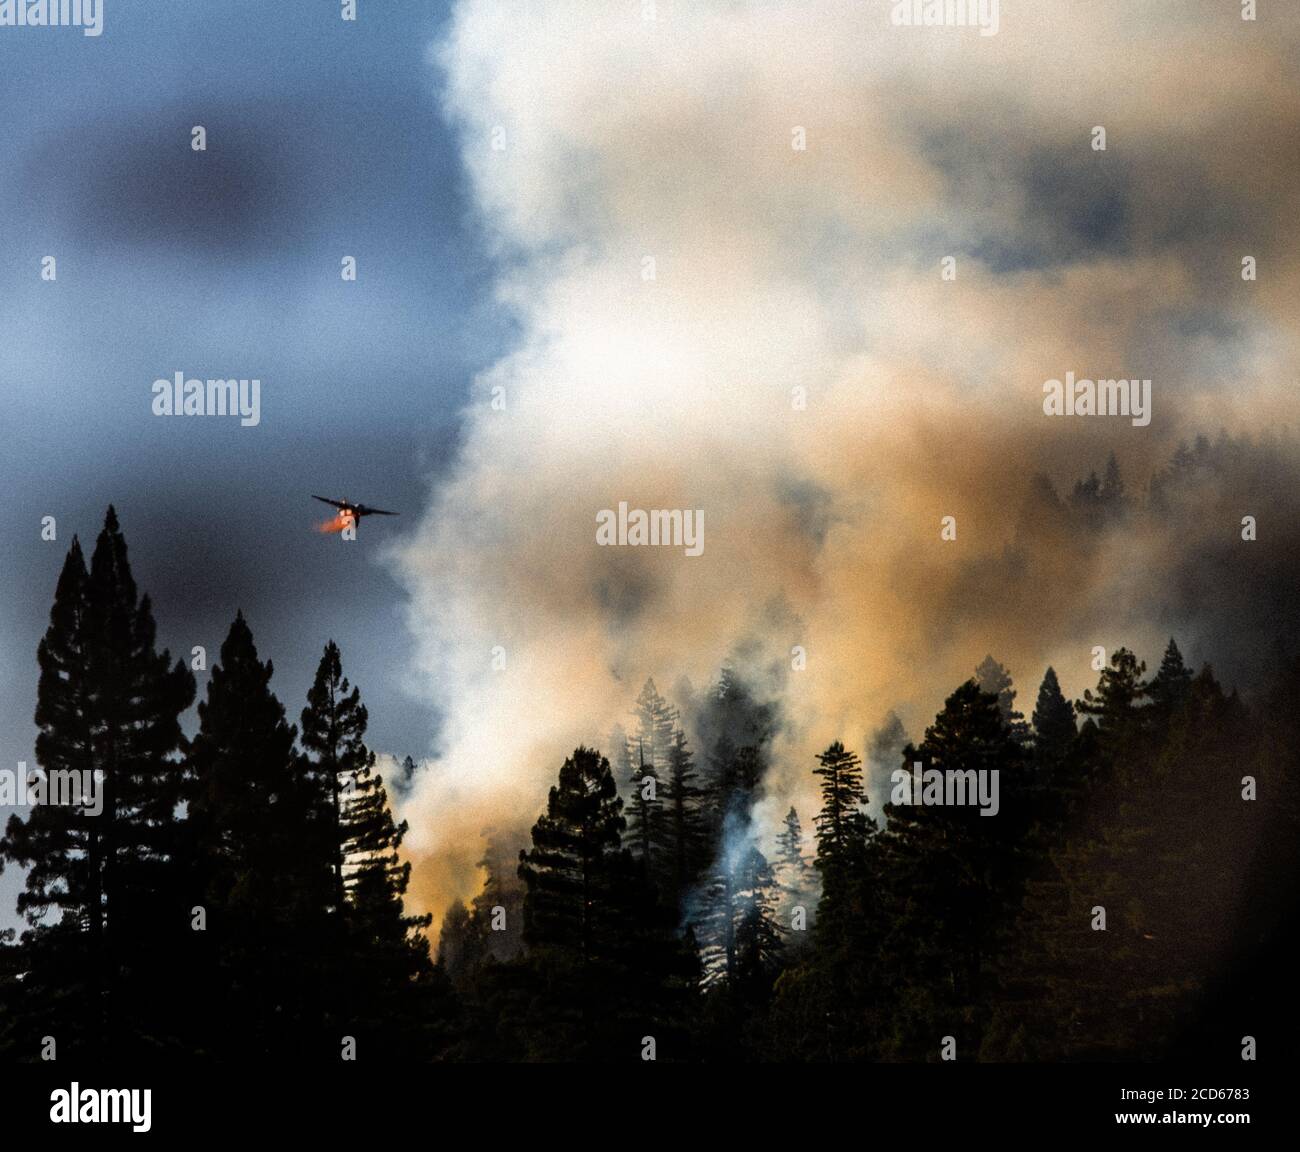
(684, 275)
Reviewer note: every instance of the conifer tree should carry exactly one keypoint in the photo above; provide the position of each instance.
(1172, 683)
(1112, 487)
(757, 934)
(498, 911)
(460, 946)
(60, 844)
(656, 724)
(954, 877)
(1109, 951)
(108, 708)
(650, 750)
(789, 843)
(685, 829)
(576, 861)
(645, 810)
(384, 952)
(63, 846)
(842, 827)
(140, 695)
(261, 867)
(376, 878)
(843, 832)
(1120, 692)
(603, 947)
(333, 727)
(994, 679)
(1054, 726)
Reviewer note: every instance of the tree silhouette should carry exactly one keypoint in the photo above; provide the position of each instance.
(261, 868)
(1172, 683)
(385, 983)
(108, 709)
(994, 679)
(598, 941)
(1120, 691)
(1054, 725)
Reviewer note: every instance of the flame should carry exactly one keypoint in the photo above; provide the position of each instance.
(338, 524)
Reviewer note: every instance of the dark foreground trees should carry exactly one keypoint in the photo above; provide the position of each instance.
(108, 713)
(605, 973)
(1113, 881)
(231, 897)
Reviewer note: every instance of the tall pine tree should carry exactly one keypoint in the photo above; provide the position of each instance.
(261, 869)
(1172, 683)
(108, 708)
(1054, 726)
(386, 983)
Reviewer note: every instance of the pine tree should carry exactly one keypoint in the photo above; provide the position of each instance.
(994, 679)
(953, 879)
(736, 775)
(656, 725)
(576, 862)
(651, 753)
(139, 697)
(757, 933)
(333, 727)
(384, 951)
(601, 946)
(713, 925)
(1148, 854)
(393, 992)
(645, 810)
(375, 876)
(1173, 681)
(108, 708)
(789, 843)
(841, 826)
(403, 781)
(460, 946)
(1054, 726)
(1120, 691)
(685, 829)
(62, 846)
(498, 910)
(829, 1004)
(1112, 487)
(261, 866)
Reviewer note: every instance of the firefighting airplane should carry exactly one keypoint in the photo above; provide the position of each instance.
(349, 514)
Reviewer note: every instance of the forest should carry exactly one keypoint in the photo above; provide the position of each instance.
(242, 895)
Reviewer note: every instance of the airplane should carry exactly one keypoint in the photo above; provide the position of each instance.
(349, 512)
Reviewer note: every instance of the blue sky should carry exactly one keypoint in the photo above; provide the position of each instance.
(325, 139)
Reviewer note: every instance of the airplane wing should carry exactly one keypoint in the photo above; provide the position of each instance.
(323, 500)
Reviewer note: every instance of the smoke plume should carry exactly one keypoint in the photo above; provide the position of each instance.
(722, 231)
